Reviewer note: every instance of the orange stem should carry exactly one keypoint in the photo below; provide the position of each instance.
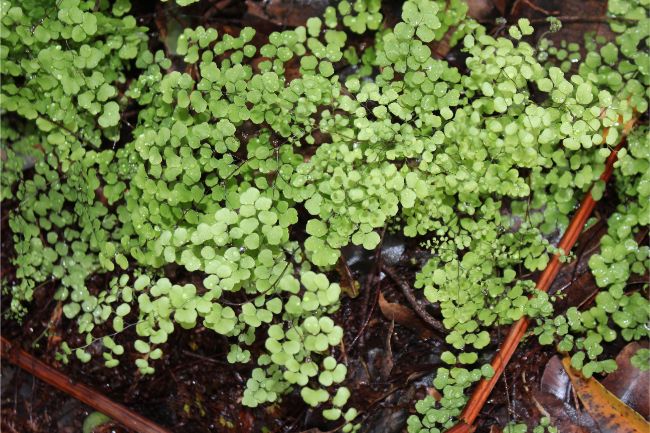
(518, 329)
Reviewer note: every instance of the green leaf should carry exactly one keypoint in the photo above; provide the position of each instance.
(584, 95)
(316, 228)
(110, 115)
(525, 27)
(141, 346)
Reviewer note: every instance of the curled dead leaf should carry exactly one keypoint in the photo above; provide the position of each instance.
(403, 316)
(348, 284)
(629, 383)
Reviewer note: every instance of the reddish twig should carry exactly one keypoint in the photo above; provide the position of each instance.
(81, 392)
(518, 329)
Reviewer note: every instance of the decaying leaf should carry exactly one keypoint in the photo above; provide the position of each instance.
(629, 383)
(555, 399)
(348, 284)
(480, 9)
(610, 413)
(286, 12)
(388, 365)
(501, 6)
(403, 316)
(495, 429)
(555, 380)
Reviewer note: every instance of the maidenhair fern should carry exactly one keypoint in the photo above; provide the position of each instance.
(232, 158)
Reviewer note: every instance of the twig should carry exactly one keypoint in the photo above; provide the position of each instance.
(571, 19)
(419, 309)
(81, 392)
(531, 5)
(203, 358)
(518, 329)
(215, 8)
(582, 19)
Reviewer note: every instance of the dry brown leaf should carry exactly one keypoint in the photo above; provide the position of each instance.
(480, 9)
(53, 338)
(563, 414)
(388, 364)
(434, 393)
(629, 383)
(403, 316)
(290, 13)
(555, 380)
(610, 413)
(501, 6)
(348, 284)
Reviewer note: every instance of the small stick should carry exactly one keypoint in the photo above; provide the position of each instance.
(81, 392)
(419, 309)
(518, 329)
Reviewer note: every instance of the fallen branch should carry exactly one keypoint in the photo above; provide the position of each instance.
(518, 329)
(81, 392)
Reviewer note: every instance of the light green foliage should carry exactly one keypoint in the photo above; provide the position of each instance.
(185, 191)
(453, 382)
(544, 426)
(616, 312)
(641, 359)
(357, 15)
(515, 428)
(481, 164)
(94, 420)
(620, 69)
(471, 276)
(62, 66)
